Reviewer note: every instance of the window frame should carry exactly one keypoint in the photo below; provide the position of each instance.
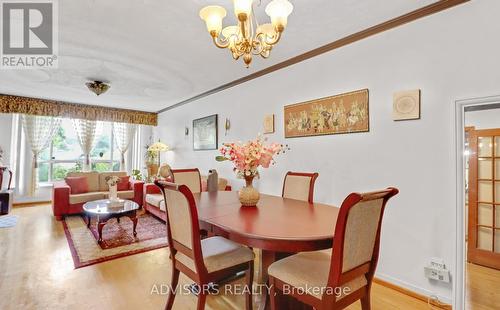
(52, 161)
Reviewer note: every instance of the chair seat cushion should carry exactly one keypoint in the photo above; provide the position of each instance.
(86, 197)
(310, 270)
(219, 253)
(156, 200)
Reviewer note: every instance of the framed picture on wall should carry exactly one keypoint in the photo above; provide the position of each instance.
(205, 133)
(344, 113)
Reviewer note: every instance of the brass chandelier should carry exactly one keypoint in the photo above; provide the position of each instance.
(248, 38)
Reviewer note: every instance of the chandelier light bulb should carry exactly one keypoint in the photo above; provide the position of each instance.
(279, 10)
(242, 9)
(213, 16)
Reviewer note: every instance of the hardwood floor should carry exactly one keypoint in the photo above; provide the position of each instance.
(36, 272)
(483, 288)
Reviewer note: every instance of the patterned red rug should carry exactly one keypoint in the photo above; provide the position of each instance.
(118, 238)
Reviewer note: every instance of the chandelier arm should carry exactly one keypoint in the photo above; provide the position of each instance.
(220, 43)
(257, 47)
(275, 40)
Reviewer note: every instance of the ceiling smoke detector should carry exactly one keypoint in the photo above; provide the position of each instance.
(98, 87)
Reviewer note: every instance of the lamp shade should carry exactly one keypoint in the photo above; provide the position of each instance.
(213, 16)
(242, 8)
(279, 10)
(158, 147)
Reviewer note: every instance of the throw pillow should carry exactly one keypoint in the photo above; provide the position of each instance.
(77, 185)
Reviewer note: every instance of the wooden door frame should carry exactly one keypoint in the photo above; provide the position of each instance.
(460, 252)
(475, 255)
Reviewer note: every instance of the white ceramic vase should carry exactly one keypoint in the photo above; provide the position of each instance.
(113, 193)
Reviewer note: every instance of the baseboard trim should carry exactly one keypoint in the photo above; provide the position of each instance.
(411, 293)
(31, 203)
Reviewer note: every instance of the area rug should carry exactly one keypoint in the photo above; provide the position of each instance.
(118, 239)
(8, 221)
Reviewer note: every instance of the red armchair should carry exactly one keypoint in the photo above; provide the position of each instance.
(64, 203)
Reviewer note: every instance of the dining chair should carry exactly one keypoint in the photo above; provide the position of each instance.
(299, 185)
(337, 277)
(203, 261)
(189, 177)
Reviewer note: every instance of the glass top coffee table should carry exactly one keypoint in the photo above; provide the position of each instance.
(104, 210)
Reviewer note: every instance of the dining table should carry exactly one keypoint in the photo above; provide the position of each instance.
(277, 227)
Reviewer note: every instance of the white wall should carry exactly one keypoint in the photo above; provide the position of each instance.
(485, 119)
(449, 56)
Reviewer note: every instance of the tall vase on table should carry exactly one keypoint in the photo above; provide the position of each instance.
(112, 182)
(247, 158)
(249, 195)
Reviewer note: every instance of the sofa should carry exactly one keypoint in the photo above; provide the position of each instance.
(155, 204)
(65, 202)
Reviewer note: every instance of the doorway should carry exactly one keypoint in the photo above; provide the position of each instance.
(478, 216)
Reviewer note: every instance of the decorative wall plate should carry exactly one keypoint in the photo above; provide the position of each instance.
(406, 105)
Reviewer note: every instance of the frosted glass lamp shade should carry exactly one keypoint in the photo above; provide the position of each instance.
(158, 147)
(242, 9)
(213, 16)
(279, 10)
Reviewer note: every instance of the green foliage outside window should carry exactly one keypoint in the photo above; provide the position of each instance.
(65, 147)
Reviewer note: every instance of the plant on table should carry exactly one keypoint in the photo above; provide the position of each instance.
(247, 158)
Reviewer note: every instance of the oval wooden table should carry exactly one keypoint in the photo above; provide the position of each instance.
(277, 226)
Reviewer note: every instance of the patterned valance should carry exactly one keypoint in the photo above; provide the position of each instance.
(33, 106)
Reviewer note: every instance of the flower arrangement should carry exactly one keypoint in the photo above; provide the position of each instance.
(112, 180)
(248, 157)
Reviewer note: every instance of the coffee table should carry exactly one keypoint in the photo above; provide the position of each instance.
(105, 209)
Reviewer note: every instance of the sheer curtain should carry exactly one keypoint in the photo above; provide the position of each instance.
(124, 135)
(39, 131)
(86, 130)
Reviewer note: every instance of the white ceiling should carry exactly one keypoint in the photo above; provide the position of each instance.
(156, 53)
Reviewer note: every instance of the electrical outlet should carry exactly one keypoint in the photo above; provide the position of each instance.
(436, 270)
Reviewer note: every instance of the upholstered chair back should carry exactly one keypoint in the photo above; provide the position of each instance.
(179, 216)
(299, 186)
(189, 177)
(357, 237)
(183, 228)
(361, 232)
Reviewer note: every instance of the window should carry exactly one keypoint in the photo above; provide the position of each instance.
(65, 155)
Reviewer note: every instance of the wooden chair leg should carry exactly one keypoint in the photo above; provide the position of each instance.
(249, 283)
(273, 293)
(365, 302)
(202, 298)
(173, 288)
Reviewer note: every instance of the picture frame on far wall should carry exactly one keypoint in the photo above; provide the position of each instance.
(406, 105)
(339, 114)
(205, 133)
